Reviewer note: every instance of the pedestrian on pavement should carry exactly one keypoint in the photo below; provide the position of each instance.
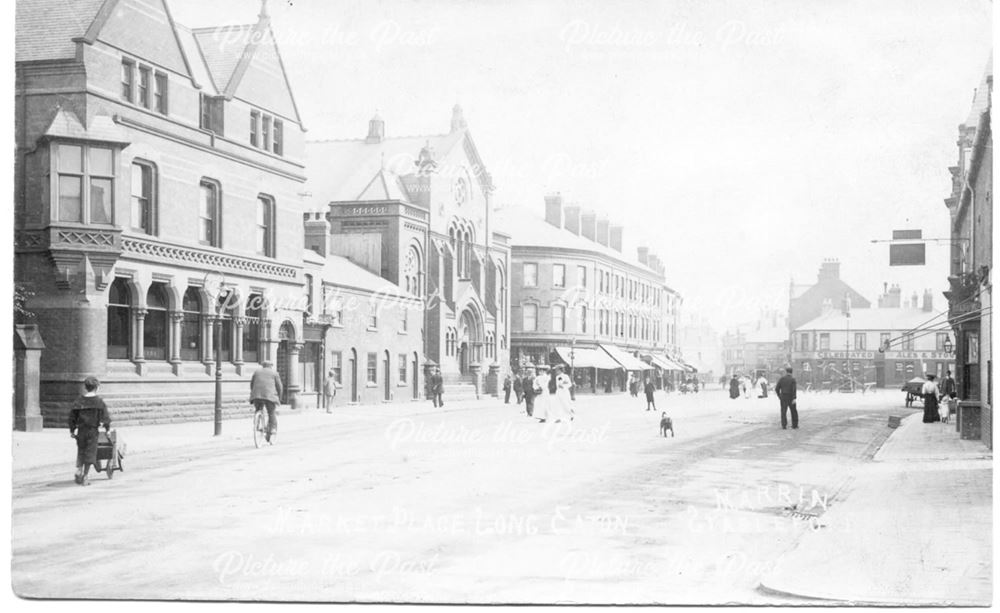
(650, 402)
(507, 386)
(930, 392)
(948, 386)
(528, 389)
(541, 384)
(437, 388)
(518, 387)
(265, 393)
(762, 383)
(561, 403)
(633, 385)
(86, 416)
(785, 389)
(948, 408)
(734, 387)
(329, 391)
(746, 386)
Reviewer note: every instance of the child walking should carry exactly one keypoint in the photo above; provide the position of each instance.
(946, 408)
(87, 415)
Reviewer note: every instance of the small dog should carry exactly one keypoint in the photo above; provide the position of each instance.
(666, 424)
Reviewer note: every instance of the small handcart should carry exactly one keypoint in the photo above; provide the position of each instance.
(110, 452)
(914, 391)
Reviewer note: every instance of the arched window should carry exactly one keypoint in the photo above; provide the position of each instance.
(251, 330)
(156, 330)
(412, 271)
(191, 325)
(119, 326)
(225, 347)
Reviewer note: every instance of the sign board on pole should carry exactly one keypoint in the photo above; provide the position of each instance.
(910, 254)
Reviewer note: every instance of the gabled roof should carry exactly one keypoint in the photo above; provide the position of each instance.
(340, 271)
(839, 288)
(222, 49)
(885, 320)
(384, 186)
(45, 29)
(341, 170)
(65, 124)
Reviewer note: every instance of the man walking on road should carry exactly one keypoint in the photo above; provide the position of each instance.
(437, 388)
(528, 389)
(507, 384)
(785, 389)
(329, 391)
(518, 387)
(265, 392)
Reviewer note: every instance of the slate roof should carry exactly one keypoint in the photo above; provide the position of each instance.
(222, 48)
(981, 99)
(339, 270)
(887, 319)
(342, 170)
(45, 29)
(527, 229)
(196, 59)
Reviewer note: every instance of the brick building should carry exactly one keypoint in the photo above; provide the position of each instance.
(970, 296)
(885, 346)
(577, 299)
(159, 174)
(807, 302)
(416, 211)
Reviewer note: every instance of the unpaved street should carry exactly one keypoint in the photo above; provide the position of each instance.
(479, 504)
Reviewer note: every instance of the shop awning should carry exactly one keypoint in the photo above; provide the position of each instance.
(587, 357)
(664, 363)
(626, 359)
(687, 367)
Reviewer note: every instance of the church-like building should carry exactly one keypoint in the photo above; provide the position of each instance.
(416, 210)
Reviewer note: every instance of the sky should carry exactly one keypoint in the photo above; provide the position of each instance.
(743, 142)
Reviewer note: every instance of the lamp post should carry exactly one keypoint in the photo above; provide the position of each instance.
(215, 290)
(572, 376)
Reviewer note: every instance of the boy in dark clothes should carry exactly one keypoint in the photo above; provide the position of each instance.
(86, 416)
(666, 424)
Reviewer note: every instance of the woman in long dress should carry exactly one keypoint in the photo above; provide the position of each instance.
(560, 404)
(541, 411)
(734, 388)
(930, 393)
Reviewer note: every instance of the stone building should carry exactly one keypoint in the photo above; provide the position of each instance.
(158, 206)
(416, 211)
(970, 296)
(576, 298)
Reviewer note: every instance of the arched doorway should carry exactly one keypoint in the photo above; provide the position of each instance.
(286, 336)
(470, 335)
(354, 375)
(386, 376)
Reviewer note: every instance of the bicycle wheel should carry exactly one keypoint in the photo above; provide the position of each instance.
(259, 428)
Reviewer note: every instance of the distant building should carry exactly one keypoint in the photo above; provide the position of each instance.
(759, 347)
(913, 339)
(807, 302)
(577, 298)
(970, 297)
(701, 347)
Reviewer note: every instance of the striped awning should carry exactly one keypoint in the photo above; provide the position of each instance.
(664, 362)
(626, 359)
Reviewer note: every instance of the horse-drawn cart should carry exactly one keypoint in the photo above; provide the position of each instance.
(913, 389)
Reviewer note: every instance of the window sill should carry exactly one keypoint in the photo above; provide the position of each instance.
(402, 384)
(370, 329)
(402, 332)
(371, 385)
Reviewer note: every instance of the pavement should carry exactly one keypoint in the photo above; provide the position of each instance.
(913, 528)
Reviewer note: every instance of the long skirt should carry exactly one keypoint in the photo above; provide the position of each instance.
(542, 402)
(931, 409)
(559, 406)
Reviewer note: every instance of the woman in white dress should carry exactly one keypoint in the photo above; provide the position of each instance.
(542, 400)
(560, 407)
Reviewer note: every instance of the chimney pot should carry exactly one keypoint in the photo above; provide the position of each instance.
(376, 130)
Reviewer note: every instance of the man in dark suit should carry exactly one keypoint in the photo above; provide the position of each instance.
(948, 386)
(528, 390)
(265, 393)
(437, 388)
(785, 389)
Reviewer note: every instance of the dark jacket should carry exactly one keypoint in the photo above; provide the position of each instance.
(265, 385)
(948, 386)
(785, 387)
(649, 389)
(734, 388)
(88, 412)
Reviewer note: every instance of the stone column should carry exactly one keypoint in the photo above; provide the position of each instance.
(476, 370)
(140, 329)
(294, 386)
(28, 347)
(239, 323)
(175, 341)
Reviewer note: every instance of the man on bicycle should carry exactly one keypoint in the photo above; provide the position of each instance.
(265, 392)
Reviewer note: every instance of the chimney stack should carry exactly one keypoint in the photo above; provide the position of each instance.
(571, 217)
(615, 237)
(928, 301)
(914, 301)
(602, 230)
(643, 255)
(317, 233)
(376, 130)
(553, 209)
(829, 270)
(653, 262)
(588, 225)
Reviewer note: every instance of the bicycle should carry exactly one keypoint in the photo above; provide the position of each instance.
(260, 427)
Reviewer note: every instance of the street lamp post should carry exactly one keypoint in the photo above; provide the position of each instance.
(215, 288)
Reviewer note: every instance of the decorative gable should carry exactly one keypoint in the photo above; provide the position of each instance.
(143, 28)
(260, 78)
